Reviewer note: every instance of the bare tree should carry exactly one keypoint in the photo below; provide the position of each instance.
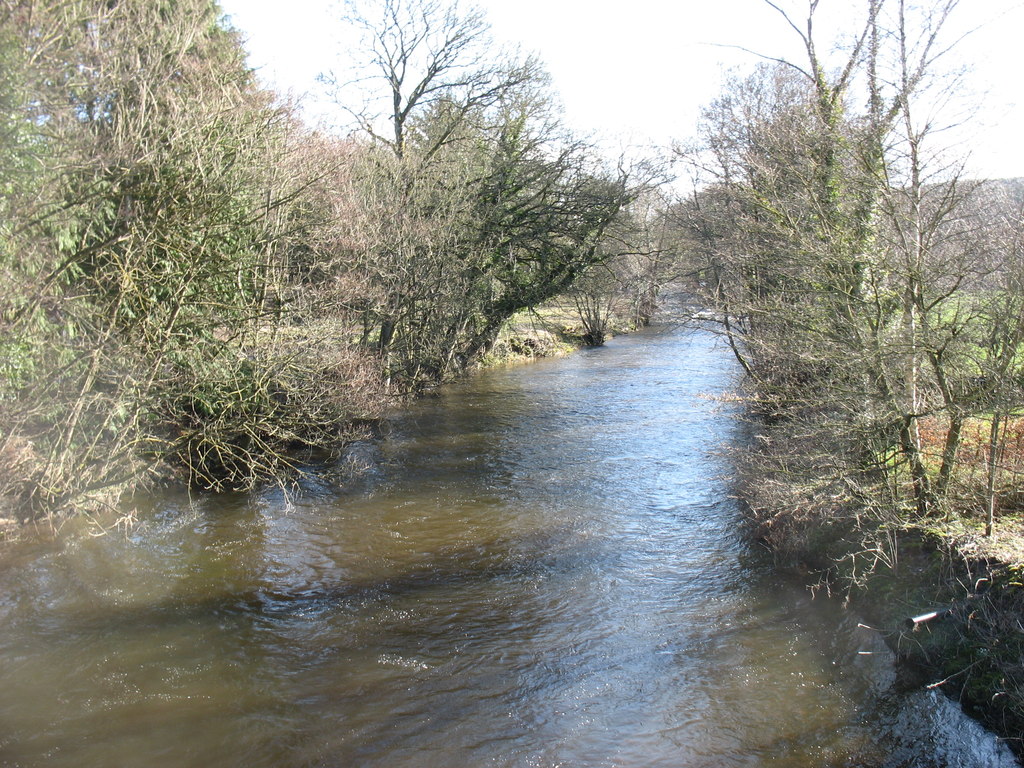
(834, 244)
(476, 203)
(419, 55)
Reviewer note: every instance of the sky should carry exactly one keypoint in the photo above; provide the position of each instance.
(636, 73)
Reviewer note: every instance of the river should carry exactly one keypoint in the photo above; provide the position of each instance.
(541, 566)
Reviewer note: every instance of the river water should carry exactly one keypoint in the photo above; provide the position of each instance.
(541, 566)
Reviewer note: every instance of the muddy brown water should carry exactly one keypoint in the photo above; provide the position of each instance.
(541, 566)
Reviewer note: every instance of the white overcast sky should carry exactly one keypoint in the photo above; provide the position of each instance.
(636, 72)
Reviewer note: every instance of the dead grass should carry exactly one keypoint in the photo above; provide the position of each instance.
(974, 446)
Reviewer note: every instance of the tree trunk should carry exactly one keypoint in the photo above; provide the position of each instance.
(994, 457)
(920, 484)
(949, 453)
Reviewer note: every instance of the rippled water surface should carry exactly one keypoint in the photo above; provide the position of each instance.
(537, 567)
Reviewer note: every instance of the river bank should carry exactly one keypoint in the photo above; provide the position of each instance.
(951, 607)
(323, 392)
(553, 330)
(946, 599)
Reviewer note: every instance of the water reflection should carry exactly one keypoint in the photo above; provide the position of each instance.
(539, 567)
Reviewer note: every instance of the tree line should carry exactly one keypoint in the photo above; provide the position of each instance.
(870, 291)
(196, 284)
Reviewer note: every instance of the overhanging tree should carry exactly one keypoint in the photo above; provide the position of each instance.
(483, 205)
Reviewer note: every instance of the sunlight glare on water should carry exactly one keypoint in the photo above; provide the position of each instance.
(540, 566)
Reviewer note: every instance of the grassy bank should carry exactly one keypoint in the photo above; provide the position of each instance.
(552, 330)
